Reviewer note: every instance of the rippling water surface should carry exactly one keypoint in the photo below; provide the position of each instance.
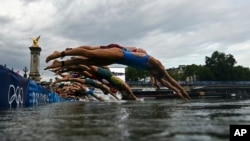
(154, 120)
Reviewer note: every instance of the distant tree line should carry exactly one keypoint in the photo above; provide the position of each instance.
(218, 67)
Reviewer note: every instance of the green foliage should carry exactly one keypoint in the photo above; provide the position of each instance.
(177, 76)
(218, 67)
(221, 66)
(204, 74)
(241, 74)
(133, 74)
(201, 72)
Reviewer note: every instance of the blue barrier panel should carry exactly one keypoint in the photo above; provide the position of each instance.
(40, 95)
(53, 97)
(18, 91)
(13, 88)
(33, 93)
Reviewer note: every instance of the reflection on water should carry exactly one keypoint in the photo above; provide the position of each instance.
(203, 119)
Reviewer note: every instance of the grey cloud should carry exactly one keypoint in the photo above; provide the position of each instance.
(106, 23)
(25, 2)
(176, 32)
(5, 20)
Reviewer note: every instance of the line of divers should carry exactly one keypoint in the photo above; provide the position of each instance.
(90, 63)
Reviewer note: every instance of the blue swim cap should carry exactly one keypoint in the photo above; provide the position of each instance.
(89, 91)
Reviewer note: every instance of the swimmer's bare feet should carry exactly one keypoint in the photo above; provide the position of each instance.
(54, 55)
(55, 64)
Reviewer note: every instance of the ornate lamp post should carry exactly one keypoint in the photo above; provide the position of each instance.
(25, 70)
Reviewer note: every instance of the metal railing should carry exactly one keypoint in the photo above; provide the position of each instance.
(194, 83)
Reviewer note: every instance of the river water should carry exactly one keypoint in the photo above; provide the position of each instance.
(153, 120)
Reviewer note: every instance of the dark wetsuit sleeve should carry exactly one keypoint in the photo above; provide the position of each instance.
(104, 74)
(90, 82)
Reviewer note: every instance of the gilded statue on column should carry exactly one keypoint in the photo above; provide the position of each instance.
(35, 41)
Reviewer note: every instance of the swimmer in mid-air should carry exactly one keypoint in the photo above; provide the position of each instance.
(104, 57)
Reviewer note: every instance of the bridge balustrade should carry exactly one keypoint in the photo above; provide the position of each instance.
(195, 83)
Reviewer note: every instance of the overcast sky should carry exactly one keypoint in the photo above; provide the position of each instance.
(177, 32)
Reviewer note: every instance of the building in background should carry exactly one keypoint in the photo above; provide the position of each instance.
(118, 71)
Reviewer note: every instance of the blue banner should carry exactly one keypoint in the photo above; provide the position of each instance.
(36, 94)
(16, 91)
(13, 88)
(40, 95)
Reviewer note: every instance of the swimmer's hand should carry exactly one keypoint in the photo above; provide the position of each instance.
(140, 99)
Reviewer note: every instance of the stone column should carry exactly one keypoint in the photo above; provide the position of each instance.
(35, 63)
